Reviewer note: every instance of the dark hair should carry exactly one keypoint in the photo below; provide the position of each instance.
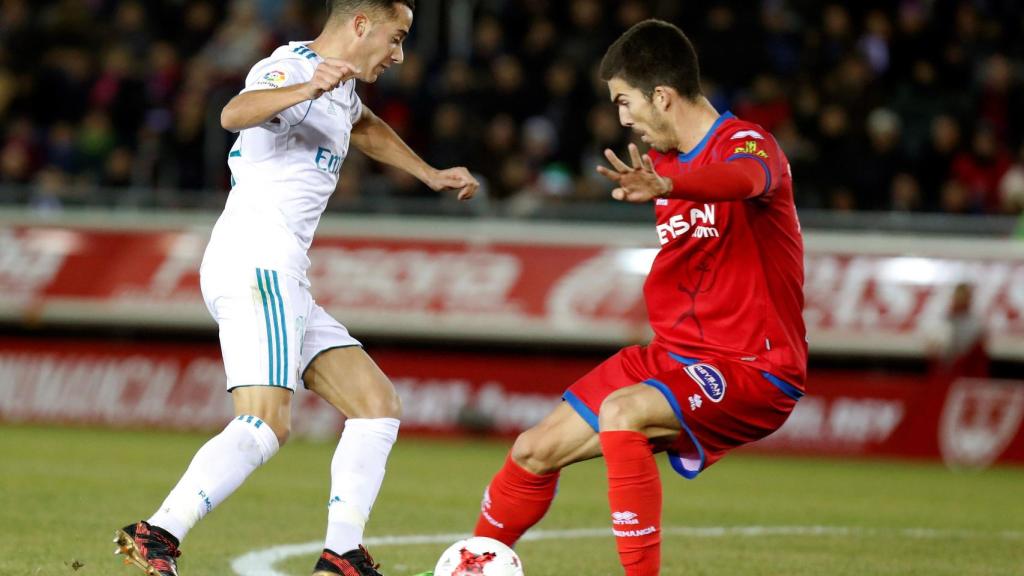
(654, 53)
(345, 7)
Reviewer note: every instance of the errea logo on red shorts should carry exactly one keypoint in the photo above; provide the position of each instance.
(710, 380)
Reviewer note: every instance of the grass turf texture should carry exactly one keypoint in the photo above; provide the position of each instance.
(64, 491)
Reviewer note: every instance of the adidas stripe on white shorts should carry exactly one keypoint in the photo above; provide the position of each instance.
(270, 326)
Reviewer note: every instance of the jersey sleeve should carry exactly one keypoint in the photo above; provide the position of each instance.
(754, 143)
(273, 74)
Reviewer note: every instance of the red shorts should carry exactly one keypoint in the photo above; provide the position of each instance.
(720, 404)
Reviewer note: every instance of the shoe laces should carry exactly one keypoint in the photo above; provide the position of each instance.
(368, 558)
(169, 547)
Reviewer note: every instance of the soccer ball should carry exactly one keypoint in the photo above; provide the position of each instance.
(479, 555)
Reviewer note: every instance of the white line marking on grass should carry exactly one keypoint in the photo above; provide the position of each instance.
(261, 562)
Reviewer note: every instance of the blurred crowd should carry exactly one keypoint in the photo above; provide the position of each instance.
(902, 105)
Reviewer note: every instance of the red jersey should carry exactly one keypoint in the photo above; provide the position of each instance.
(728, 280)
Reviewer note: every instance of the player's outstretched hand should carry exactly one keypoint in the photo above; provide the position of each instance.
(328, 75)
(455, 179)
(637, 183)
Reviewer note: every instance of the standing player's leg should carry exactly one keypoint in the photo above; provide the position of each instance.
(341, 373)
(631, 419)
(521, 492)
(255, 313)
(261, 425)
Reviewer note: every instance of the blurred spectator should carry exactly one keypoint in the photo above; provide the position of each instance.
(905, 193)
(981, 168)
(911, 105)
(935, 163)
(882, 160)
(766, 104)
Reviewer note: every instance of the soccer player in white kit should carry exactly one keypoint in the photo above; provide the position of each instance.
(295, 119)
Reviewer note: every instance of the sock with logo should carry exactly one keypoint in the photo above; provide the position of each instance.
(634, 494)
(514, 501)
(217, 470)
(357, 471)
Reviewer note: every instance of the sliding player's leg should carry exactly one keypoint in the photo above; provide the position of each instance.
(632, 421)
(521, 492)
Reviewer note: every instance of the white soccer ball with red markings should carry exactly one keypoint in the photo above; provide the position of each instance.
(479, 556)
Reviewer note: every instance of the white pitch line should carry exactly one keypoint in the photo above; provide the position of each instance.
(261, 562)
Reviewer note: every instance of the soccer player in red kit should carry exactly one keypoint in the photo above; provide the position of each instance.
(724, 297)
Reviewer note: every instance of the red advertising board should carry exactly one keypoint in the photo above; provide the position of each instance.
(505, 282)
(966, 423)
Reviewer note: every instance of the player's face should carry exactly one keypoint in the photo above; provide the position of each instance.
(638, 113)
(381, 41)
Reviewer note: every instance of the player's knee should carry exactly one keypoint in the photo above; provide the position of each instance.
(383, 403)
(533, 454)
(620, 411)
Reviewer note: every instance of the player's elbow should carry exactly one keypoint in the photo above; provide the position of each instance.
(230, 120)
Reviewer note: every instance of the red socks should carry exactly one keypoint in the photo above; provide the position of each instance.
(634, 493)
(514, 501)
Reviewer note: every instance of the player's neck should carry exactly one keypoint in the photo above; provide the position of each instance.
(693, 122)
(332, 43)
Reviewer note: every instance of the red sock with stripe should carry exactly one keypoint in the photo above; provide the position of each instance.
(634, 494)
(514, 501)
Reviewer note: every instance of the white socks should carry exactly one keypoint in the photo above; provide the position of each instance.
(227, 459)
(217, 470)
(357, 472)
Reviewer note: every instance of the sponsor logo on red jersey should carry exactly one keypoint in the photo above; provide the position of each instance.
(710, 380)
(700, 222)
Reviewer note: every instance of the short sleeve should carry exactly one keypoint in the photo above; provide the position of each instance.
(273, 74)
(755, 143)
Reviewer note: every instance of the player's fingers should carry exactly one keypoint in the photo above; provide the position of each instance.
(648, 163)
(614, 161)
(609, 174)
(327, 81)
(619, 194)
(634, 155)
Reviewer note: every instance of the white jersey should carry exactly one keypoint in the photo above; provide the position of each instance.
(283, 171)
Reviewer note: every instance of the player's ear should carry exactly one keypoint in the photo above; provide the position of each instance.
(360, 24)
(662, 98)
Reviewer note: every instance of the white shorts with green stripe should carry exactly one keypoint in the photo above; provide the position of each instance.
(270, 326)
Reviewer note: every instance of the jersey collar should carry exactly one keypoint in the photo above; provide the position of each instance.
(302, 49)
(686, 157)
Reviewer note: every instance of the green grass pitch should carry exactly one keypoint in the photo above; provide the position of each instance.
(64, 491)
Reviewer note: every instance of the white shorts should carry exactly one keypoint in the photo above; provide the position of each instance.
(271, 329)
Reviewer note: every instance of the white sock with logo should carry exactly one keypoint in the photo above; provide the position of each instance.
(357, 471)
(217, 470)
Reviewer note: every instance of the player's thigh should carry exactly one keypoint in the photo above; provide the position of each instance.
(562, 438)
(336, 367)
(260, 314)
(640, 408)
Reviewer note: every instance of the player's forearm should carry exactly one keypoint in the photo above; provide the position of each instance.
(720, 182)
(373, 137)
(254, 108)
